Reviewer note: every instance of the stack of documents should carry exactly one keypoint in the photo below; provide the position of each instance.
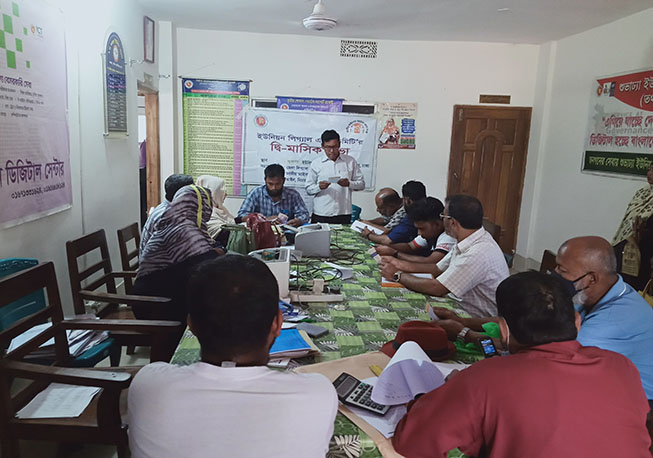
(292, 343)
(358, 226)
(79, 340)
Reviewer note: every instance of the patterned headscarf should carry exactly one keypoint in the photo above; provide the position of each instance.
(220, 215)
(180, 233)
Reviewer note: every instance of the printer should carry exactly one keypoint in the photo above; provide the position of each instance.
(314, 240)
(278, 261)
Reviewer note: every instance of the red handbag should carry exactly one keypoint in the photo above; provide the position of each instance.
(264, 236)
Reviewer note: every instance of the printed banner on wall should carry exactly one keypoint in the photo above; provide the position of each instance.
(213, 129)
(292, 139)
(34, 148)
(398, 122)
(309, 104)
(620, 131)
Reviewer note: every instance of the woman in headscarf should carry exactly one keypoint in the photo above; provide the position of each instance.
(633, 240)
(180, 241)
(220, 215)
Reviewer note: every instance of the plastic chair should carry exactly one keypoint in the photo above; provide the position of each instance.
(355, 213)
(35, 302)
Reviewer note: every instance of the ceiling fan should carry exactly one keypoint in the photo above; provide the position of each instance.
(318, 20)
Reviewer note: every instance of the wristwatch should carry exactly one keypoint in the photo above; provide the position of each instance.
(461, 335)
(397, 277)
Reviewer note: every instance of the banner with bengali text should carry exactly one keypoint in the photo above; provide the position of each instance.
(292, 138)
(620, 131)
(34, 146)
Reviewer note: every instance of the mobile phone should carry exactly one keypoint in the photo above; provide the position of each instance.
(356, 393)
(487, 347)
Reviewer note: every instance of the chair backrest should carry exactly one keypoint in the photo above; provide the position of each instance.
(79, 279)
(21, 284)
(24, 306)
(548, 263)
(126, 235)
(493, 228)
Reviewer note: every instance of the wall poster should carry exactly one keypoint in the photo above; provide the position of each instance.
(34, 146)
(397, 125)
(213, 129)
(620, 131)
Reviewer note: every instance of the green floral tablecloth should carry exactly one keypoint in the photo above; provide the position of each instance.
(368, 317)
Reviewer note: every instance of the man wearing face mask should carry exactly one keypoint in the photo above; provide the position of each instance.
(551, 397)
(614, 316)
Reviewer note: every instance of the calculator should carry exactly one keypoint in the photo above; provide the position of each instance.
(356, 393)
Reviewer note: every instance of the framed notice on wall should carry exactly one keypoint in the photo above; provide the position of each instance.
(213, 129)
(115, 87)
(620, 130)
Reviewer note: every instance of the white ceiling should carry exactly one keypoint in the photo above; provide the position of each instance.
(526, 21)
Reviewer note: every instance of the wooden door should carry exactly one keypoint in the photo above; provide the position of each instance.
(153, 166)
(488, 161)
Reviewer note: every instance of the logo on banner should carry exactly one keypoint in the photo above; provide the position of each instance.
(188, 84)
(284, 106)
(261, 121)
(357, 127)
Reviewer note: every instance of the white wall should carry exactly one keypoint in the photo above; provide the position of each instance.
(569, 203)
(437, 75)
(104, 171)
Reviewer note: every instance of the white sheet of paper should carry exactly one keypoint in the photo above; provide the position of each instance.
(59, 401)
(385, 424)
(407, 374)
(358, 226)
(346, 272)
(333, 179)
(446, 368)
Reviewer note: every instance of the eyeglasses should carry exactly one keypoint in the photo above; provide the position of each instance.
(443, 216)
(332, 148)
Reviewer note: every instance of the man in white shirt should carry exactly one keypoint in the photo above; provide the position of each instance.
(471, 271)
(230, 404)
(425, 215)
(331, 180)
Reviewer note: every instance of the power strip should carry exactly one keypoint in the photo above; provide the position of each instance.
(298, 296)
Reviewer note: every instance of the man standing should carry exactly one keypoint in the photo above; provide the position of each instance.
(172, 184)
(275, 201)
(551, 397)
(405, 231)
(471, 271)
(391, 208)
(331, 180)
(614, 316)
(230, 404)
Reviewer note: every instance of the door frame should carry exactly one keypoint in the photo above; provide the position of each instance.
(153, 154)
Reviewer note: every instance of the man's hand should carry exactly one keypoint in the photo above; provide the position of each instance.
(384, 250)
(324, 184)
(295, 222)
(451, 375)
(365, 233)
(388, 269)
(344, 182)
(445, 314)
(452, 327)
(220, 251)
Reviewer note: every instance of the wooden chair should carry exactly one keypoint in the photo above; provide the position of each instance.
(84, 288)
(548, 263)
(126, 235)
(103, 420)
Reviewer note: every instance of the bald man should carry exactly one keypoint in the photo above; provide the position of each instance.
(390, 205)
(614, 316)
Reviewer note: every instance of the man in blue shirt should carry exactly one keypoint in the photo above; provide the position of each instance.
(273, 199)
(405, 231)
(614, 316)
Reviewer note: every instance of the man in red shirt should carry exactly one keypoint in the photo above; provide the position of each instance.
(551, 397)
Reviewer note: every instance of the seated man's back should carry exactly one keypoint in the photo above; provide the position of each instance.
(204, 410)
(550, 398)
